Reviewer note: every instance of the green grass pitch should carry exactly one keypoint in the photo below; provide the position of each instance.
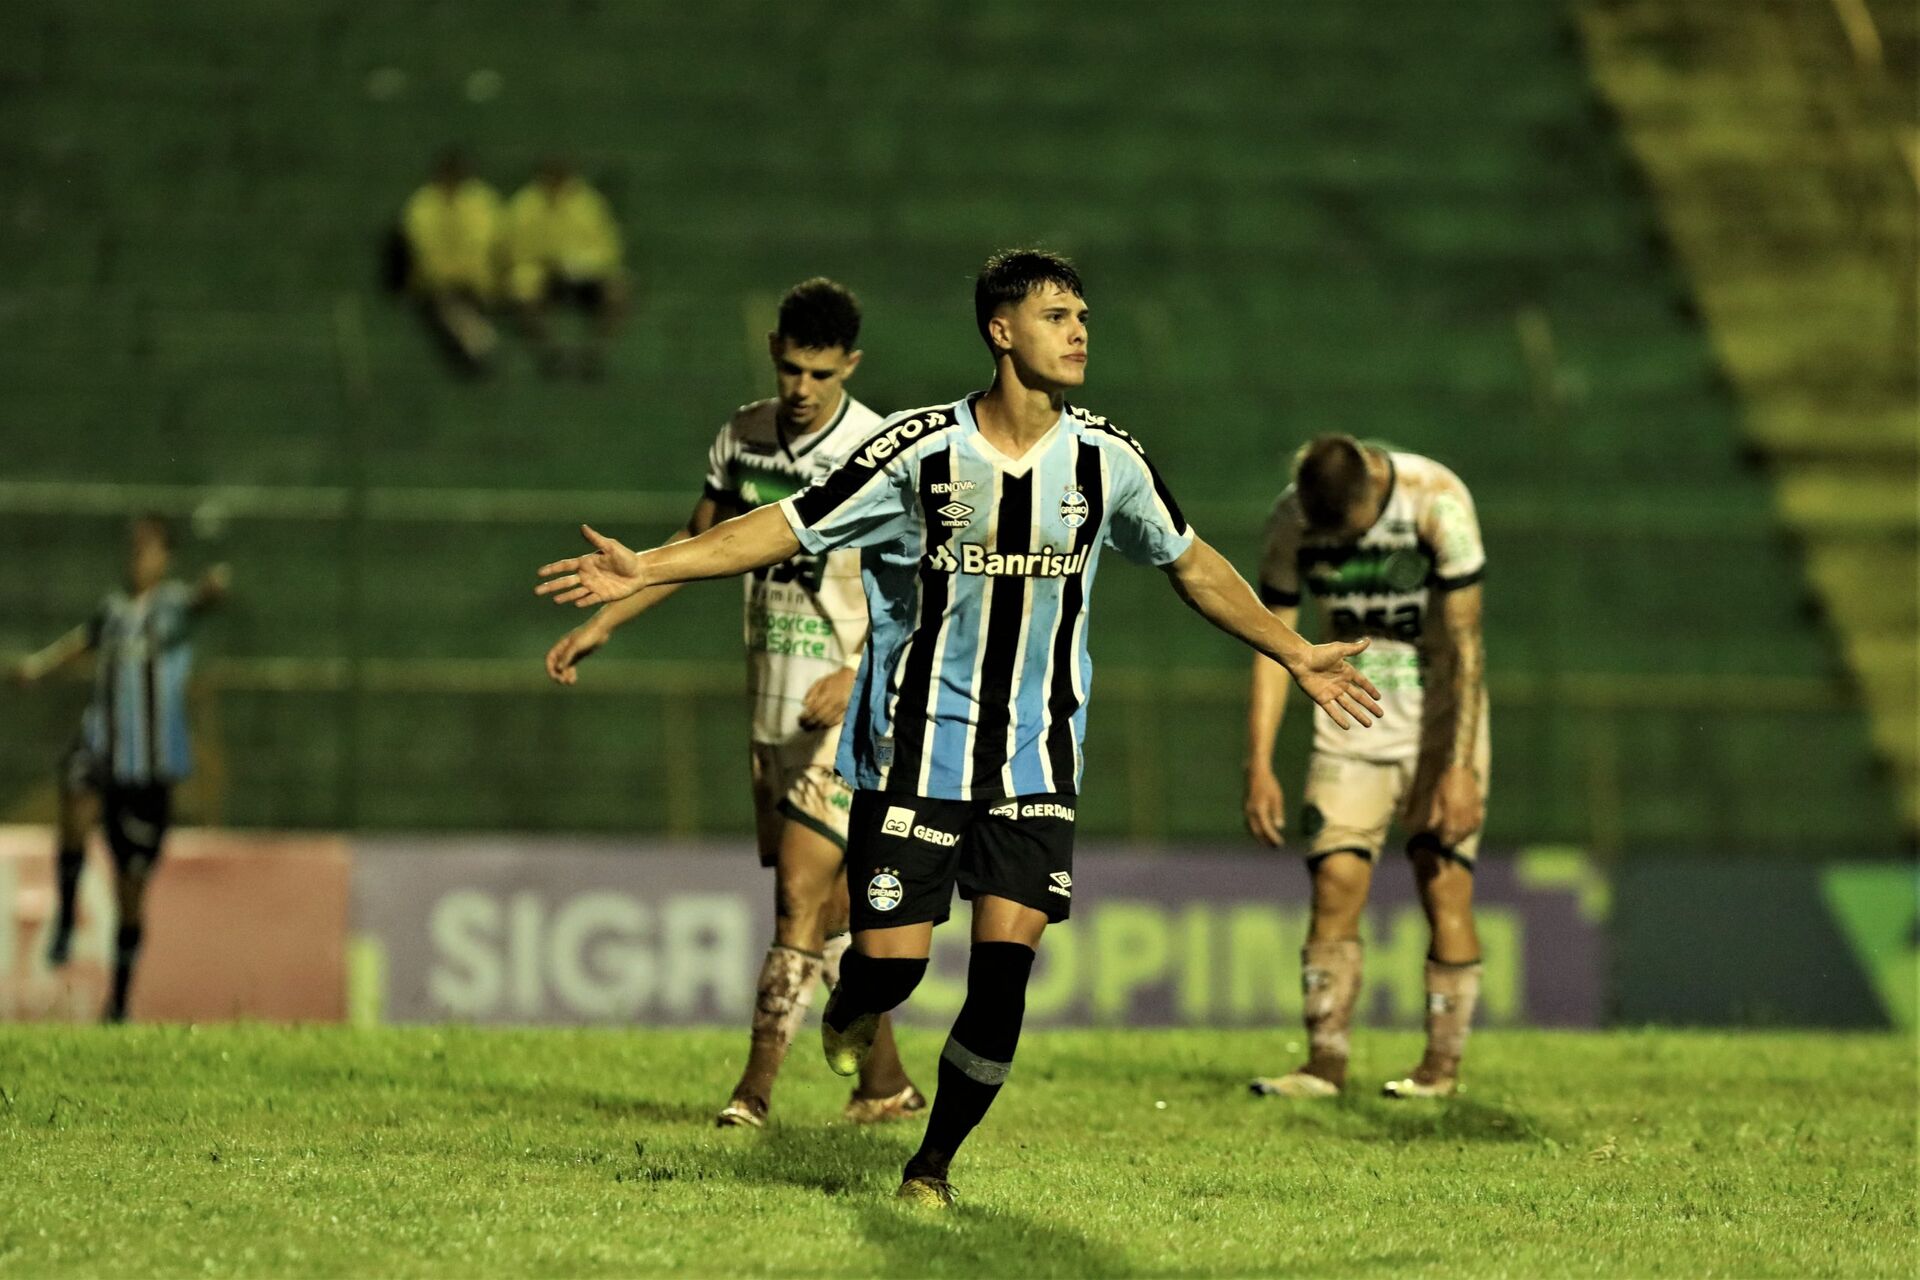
(264, 1151)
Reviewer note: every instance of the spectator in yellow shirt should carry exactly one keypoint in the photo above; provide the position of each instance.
(452, 231)
(563, 249)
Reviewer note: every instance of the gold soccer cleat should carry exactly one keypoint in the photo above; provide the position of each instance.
(904, 1105)
(1411, 1087)
(926, 1192)
(846, 1050)
(1295, 1084)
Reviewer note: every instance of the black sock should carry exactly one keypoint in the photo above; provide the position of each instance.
(67, 877)
(979, 1052)
(126, 949)
(871, 985)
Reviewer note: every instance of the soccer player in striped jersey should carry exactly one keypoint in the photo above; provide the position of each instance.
(1388, 543)
(806, 624)
(133, 747)
(982, 522)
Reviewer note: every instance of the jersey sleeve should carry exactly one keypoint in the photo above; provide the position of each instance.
(1279, 577)
(1452, 529)
(1147, 527)
(719, 483)
(865, 501)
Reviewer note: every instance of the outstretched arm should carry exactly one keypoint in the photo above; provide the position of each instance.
(613, 571)
(69, 648)
(1212, 588)
(564, 658)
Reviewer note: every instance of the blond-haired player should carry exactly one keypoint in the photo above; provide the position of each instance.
(1389, 545)
(806, 626)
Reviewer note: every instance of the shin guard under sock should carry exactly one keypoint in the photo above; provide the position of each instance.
(780, 1004)
(1452, 992)
(979, 1052)
(872, 985)
(1329, 986)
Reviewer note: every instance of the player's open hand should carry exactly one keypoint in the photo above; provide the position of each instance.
(1266, 808)
(610, 572)
(563, 660)
(826, 702)
(1329, 679)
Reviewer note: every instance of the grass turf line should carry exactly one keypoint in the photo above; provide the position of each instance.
(433, 1151)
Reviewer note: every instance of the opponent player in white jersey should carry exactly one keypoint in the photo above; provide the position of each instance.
(982, 523)
(1389, 545)
(806, 624)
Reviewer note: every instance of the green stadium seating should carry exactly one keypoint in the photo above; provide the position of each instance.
(1294, 218)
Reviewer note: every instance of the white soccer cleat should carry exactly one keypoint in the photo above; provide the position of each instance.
(742, 1113)
(904, 1105)
(1295, 1084)
(1408, 1087)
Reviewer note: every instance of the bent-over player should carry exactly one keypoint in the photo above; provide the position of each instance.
(1389, 545)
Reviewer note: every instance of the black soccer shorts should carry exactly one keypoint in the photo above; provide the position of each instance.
(136, 820)
(905, 854)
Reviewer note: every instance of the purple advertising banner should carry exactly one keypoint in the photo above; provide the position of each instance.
(535, 930)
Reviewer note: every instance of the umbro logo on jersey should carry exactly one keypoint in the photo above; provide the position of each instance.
(1062, 884)
(976, 559)
(955, 515)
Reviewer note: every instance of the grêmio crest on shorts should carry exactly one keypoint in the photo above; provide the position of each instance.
(978, 571)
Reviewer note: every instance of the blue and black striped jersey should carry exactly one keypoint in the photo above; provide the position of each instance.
(136, 726)
(978, 570)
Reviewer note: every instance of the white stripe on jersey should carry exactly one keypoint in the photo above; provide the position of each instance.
(979, 647)
(1034, 539)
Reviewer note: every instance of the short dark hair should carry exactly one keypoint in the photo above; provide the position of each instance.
(1011, 275)
(159, 524)
(1330, 475)
(820, 313)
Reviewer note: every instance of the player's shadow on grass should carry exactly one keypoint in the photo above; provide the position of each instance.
(859, 1168)
(1459, 1119)
(979, 1241)
(1464, 1118)
(834, 1159)
(614, 1106)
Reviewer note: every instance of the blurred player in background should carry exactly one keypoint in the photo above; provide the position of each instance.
(451, 227)
(133, 747)
(982, 523)
(1389, 544)
(806, 625)
(563, 250)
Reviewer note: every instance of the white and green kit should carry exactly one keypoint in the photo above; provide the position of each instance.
(805, 618)
(1386, 585)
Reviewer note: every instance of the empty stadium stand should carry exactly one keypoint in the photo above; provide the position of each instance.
(1414, 222)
